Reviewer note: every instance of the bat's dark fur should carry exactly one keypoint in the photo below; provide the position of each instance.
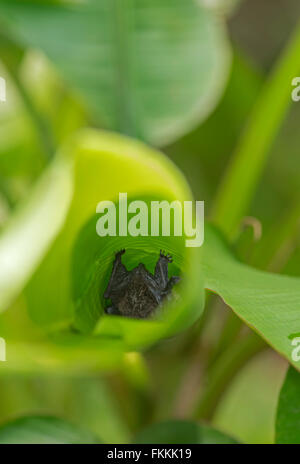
(138, 293)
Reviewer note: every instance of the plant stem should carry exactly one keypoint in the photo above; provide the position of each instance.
(238, 187)
(223, 371)
(276, 247)
(126, 122)
(40, 123)
(133, 388)
(229, 334)
(42, 126)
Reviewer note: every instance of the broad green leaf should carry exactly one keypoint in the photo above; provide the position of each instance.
(71, 280)
(268, 303)
(43, 430)
(31, 229)
(181, 432)
(288, 413)
(150, 68)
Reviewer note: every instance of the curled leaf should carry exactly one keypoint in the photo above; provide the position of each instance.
(71, 280)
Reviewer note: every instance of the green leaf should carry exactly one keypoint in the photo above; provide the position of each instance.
(71, 280)
(31, 229)
(268, 303)
(92, 262)
(181, 432)
(43, 430)
(288, 412)
(150, 68)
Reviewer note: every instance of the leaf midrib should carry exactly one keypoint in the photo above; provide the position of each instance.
(123, 95)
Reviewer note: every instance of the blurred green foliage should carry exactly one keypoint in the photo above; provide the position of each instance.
(157, 71)
(288, 416)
